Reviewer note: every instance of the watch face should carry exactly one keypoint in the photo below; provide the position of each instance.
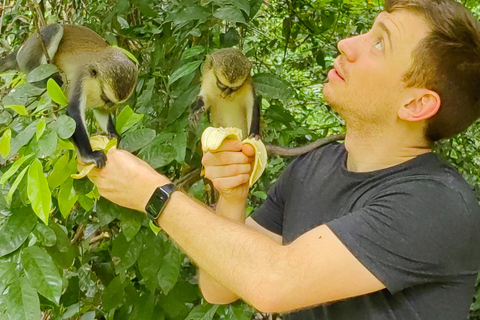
(158, 200)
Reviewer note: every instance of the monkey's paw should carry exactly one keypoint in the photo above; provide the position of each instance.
(100, 144)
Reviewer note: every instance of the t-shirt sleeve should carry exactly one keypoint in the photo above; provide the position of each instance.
(415, 232)
(270, 214)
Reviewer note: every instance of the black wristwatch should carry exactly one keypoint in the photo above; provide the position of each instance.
(157, 202)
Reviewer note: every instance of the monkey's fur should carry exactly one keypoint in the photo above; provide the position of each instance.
(227, 90)
(95, 75)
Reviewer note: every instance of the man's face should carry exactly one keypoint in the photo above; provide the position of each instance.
(365, 86)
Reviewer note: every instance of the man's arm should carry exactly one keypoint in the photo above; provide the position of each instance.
(314, 269)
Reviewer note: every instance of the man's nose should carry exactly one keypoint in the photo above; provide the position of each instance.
(350, 47)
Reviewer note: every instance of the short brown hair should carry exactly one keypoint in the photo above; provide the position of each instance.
(446, 61)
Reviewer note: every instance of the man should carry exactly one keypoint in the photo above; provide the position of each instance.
(377, 228)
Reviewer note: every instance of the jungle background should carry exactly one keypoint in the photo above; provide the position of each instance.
(66, 253)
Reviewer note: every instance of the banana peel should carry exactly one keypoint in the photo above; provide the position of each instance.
(212, 138)
(98, 143)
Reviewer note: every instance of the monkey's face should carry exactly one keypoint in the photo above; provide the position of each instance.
(227, 86)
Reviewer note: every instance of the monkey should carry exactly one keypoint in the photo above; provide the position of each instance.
(95, 75)
(227, 91)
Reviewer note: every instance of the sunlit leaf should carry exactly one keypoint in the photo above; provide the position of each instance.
(20, 109)
(5, 143)
(56, 93)
(38, 191)
(22, 301)
(67, 197)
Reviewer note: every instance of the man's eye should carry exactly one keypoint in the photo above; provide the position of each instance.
(379, 45)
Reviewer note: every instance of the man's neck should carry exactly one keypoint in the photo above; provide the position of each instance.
(380, 150)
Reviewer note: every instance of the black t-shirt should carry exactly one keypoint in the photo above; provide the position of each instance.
(415, 226)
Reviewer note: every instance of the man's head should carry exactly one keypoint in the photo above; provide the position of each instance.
(420, 62)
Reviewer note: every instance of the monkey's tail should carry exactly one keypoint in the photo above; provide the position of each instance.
(9, 62)
(289, 152)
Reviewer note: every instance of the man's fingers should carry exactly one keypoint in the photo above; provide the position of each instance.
(248, 150)
(215, 172)
(224, 158)
(222, 184)
(229, 145)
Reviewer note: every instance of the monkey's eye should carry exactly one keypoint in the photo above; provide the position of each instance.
(221, 86)
(93, 72)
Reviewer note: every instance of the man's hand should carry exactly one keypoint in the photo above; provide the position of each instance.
(127, 180)
(229, 168)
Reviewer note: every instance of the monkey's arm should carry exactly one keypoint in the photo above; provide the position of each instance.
(76, 110)
(290, 152)
(255, 126)
(197, 110)
(9, 62)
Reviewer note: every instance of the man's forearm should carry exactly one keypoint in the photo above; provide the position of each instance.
(213, 291)
(241, 258)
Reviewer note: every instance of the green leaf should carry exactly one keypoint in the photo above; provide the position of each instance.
(150, 260)
(15, 230)
(181, 103)
(202, 312)
(42, 273)
(243, 5)
(61, 171)
(184, 70)
(67, 197)
(127, 119)
(170, 270)
(41, 125)
(130, 222)
(158, 155)
(64, 126)
(7, 275)
(229, 13)
(137, 139)
(192, 52)
(143, 307)
(45, 234)
(5, 143)
(273, 87)
(14, 168)
(22, 301)
(107, 211)
(180, 144)
(125, 254)
(15, 184)
(63, 252)
(48, 144)
(41, 72)
(23, 138)
(19, 108)
(56, 93)
(38, 191)
(114, 294)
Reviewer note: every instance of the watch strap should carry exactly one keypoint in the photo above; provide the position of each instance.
(158, 200)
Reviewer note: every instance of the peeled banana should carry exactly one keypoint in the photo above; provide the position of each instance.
(212, 138)
(98, 143)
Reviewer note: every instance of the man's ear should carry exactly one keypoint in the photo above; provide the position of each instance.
(422, 106)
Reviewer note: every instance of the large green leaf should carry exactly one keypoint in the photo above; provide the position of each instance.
(15, 185)
(42, 273)
(229, 13)
(64, 126)
(48, 143)
(243, 5)
(22, 301)
(41, 72)
(127, 119)
(107, 211)
(130, 222)
(184, 70)
(125, 254)
(150, 260)
(16, 229)
(114, 295)
(7, 275)
(63, 252)
(5, 143)
(41, 125)
(38, 191)
(273, 87)
(67, 197)
(13, 169)
(60, 172)
(23, 138)
(202, 312)
(45, 234)
(56, 93)
(137, 139)
(170, 270)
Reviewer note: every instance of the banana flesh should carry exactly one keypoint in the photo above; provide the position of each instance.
(212, 138)
(97, 143)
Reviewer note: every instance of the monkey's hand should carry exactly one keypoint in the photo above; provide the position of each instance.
(100, 144)
(255, 136)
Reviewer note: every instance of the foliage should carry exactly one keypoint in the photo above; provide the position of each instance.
(65, 253)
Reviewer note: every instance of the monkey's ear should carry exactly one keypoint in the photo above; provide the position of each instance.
(93, 71)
